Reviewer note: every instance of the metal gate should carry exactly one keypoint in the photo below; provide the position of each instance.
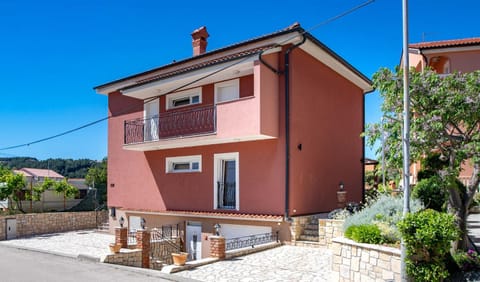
(11, 228)
(163, 242)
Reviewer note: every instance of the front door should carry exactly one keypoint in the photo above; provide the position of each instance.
(134, 223)
(151, 117)
(194, 240)
(227, 192)
(226, 181)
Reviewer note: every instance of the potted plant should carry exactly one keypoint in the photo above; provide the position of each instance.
(179, 258)
(115, 247)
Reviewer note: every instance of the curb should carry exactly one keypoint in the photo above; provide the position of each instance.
(93, 259)
(41, 251)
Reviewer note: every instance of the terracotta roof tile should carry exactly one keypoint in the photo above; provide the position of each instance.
(40, 172)
(233, 215)
(294, 27)
(446, 43)
(227, 58)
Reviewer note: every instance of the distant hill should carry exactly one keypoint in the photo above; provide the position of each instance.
(67, 167)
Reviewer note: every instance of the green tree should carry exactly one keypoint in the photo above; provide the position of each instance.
(445, 118)
(12, 188)
(97, 177)
(66, 189)
(39, 189)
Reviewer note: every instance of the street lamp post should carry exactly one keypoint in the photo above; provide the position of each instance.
(406, 135)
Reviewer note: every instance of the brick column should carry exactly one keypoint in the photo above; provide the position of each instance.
(217, 247)
(121, 234)
(143, 243)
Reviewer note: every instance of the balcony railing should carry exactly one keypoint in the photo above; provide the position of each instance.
(250, 241)
(171, 125)
(226, 195)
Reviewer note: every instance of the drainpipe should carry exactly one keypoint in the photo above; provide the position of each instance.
(363, 149)
(287, 126)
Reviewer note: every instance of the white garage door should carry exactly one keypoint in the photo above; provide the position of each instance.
(235, 230)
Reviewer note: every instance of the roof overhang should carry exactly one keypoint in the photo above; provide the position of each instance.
(195, 78)
(190, 73)
(215, 215)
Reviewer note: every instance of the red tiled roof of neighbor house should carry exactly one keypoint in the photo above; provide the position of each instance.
(37, 172)
(446, 43)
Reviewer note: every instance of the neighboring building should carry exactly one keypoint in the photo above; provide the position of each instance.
(246, 136)
(446, 57)
(370, 165)
(50, 200)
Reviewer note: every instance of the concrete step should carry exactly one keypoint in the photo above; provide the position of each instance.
(308, 238)
(311, 226)
(310, 232)
(104, 227)
(310, 244)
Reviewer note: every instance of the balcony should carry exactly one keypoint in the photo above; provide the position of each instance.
(228, 122)
(178, 124)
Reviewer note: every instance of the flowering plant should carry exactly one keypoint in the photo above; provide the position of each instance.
(467, 261)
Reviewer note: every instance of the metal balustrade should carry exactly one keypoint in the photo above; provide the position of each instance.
(172, 124)
(250, 241)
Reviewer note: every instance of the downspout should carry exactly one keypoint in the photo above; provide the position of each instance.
(363, 148)
(287, 126)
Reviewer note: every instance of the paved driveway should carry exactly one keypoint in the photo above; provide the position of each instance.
(86, 243)
(285, 263)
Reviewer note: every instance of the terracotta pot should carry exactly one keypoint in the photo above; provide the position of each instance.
(179, 258)
(115, 248)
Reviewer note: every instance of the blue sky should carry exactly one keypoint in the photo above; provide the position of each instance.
(53, 53)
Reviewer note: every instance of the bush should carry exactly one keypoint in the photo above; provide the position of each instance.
(365, 233)
(432, 192)
(467, 261)
(428, 235)
(385, 213)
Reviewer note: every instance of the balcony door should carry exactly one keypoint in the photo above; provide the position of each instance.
(150, 115)
(226, 180)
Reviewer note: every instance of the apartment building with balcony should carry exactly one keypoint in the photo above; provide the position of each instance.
(246, 136)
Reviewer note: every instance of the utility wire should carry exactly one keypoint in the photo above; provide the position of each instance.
(126, 110)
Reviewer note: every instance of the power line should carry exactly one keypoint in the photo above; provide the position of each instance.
(126, 110)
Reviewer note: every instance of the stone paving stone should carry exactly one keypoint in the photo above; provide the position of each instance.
(285, 263)
(74, 243)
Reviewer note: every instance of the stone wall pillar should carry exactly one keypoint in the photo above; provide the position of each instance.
(217, 247)
(121, 234)
(143, 243)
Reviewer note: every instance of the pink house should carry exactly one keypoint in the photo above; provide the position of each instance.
(444, 57)
(246, 136)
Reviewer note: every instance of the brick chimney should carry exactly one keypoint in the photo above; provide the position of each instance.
(199, 40)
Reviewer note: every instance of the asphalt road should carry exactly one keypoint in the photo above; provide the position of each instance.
(23, 265)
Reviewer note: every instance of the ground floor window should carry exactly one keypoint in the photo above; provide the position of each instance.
(183, 164)
(226, 181)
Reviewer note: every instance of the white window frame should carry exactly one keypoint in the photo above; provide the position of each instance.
(217, 160)
(233, 82)
(171, 161)
(184, 94)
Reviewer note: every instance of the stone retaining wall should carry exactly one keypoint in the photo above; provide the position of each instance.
(364, 262)
(328, 229)
(42, 223)
(125, 257)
